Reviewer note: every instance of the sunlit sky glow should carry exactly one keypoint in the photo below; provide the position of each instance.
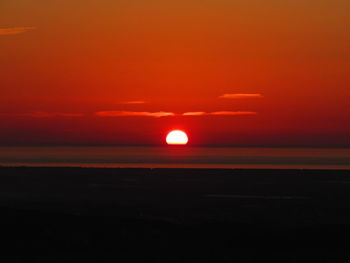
(244, 72)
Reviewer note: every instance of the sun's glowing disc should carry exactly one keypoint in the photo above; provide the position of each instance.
(176, 137)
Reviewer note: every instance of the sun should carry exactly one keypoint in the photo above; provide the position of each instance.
(176, 137)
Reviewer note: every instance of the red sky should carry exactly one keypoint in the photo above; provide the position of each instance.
(245, 72)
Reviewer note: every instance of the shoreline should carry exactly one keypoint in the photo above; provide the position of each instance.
(178, 166)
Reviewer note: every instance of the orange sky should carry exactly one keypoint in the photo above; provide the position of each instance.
(126, 72)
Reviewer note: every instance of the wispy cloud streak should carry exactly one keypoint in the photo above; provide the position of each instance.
(241, 96)
(194, 113)
(170, 114)
(134, 114)
(217, 113)
(15, 30)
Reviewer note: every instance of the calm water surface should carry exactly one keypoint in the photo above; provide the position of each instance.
(198, 157)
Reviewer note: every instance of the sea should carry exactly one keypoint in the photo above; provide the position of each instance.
(176, 157)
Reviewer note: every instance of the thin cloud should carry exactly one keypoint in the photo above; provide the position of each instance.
(169, 114)
(134, 114)
(133, 102)
(241, 96)
(227, 113)
(42, 114)
(15, 30)
(195, 113)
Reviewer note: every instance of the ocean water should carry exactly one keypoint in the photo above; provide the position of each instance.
(177, 157)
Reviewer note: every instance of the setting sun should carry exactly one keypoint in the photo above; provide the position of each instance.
(176, 137)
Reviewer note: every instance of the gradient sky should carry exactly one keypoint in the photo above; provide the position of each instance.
(243, 72)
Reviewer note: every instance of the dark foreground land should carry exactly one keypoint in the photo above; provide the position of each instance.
(174, 215)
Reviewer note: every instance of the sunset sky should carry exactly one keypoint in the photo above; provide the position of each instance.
(240, 72)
